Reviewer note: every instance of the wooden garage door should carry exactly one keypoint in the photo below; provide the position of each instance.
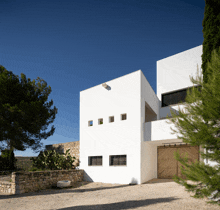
(167, 166)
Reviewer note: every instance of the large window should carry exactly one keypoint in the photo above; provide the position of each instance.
(115, 160)
(95, 160)
(176, 97)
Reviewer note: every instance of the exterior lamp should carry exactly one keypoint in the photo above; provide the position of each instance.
(104, 85)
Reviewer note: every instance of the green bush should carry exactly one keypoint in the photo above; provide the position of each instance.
(24, 163)
(51, 160)
(7, 160)
(35, 169)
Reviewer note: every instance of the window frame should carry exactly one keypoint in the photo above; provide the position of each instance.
(171, 93)
(89, 125)
(99, 121)
(110, 119)
(111, 161)
(125, 114)
(96, 158)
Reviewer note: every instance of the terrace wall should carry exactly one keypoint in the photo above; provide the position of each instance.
(22, 182)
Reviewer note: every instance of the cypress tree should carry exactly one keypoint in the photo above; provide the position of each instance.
(211, 33)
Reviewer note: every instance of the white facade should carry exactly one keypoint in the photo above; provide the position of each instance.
(138, 136)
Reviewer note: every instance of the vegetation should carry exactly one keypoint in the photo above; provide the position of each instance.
(211, 33)
(7, 160)
(23, 112)
(51, 160)
(201, 126)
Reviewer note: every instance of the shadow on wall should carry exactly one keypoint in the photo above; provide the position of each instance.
(148, 126)
(87, 177)
(168, 111)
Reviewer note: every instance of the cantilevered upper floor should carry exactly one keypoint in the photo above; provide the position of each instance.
(173, 80)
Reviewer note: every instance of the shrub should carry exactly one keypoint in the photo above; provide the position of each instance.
(7, 160)
(51, 160)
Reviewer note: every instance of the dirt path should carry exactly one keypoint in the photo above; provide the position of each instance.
(160, 194)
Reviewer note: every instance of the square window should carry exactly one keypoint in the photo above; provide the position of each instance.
(90, 123)
(100, 121)
(111, 119)
(123, 116)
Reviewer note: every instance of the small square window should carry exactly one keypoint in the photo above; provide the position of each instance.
(123, 116)
(100, 121)
(90, 123)
(111, 119)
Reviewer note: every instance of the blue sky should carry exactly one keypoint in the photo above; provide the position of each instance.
(74, 45)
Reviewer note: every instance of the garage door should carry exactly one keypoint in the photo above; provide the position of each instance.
(167, 166)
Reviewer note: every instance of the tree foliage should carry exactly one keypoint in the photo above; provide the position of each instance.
(7, 160)
(199, 124)
(211, 33)
(23, 111)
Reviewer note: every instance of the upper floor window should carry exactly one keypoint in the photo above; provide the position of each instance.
(123, 116)
(176, 97)
(111, 119)
(100, 121)
(90, 123)
(95, 160)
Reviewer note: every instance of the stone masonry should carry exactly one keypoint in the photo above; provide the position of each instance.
(22, 182)
(62, 147)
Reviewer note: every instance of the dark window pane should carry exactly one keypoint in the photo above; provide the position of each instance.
(118, 160)
(124, 117)
(95, 160)
(175, 97)
(99, 160)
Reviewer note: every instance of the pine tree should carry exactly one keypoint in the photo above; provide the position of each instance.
(23, 112)
(199, 124)
(211, 33)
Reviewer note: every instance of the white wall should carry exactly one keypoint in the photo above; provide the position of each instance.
(148, 154)
(173, 72)
(116, 138)
(148, 161)
(159, 130)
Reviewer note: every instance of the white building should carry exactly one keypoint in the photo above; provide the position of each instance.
(124, 137)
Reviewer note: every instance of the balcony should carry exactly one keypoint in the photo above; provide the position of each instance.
(158, 130)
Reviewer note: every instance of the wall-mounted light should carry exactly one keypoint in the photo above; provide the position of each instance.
(104, 85)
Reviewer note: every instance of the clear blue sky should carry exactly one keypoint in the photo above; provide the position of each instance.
(74, 45)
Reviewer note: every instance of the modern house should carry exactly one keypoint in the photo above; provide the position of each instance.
(124, 137)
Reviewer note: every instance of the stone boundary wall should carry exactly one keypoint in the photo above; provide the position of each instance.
(22, 182)
(7, 187)
(62, 147)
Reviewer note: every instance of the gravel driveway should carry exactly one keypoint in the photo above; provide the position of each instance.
(158, 194)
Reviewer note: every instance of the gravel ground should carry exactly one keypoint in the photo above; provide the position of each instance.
(158, 194)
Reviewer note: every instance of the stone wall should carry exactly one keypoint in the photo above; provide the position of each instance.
(7, 187)
(22, 182)
(62, 147)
